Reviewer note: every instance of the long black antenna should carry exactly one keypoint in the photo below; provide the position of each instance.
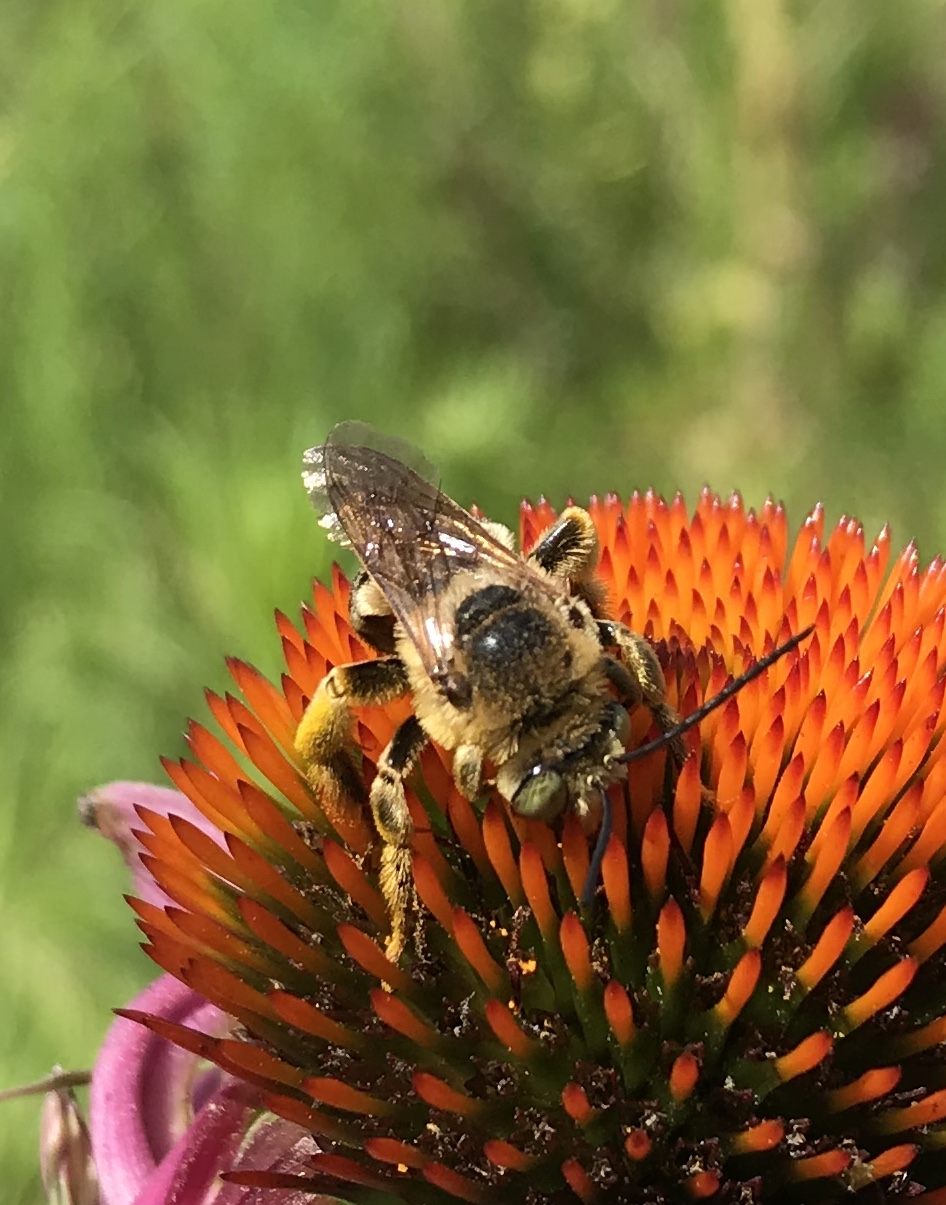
(593, 876)
(717, 700)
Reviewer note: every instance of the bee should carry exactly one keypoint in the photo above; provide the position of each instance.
(509, 661)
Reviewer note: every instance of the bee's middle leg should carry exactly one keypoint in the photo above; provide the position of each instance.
(640, 679)
(323, 739)
(392, 819)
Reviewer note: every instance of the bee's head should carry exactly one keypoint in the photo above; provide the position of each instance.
(547, 786)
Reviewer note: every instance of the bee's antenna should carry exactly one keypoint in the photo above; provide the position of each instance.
(716, 701)
(604, 835)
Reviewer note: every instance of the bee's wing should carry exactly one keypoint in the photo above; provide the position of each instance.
(378, 496)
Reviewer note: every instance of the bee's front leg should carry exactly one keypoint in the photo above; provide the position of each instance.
(641, 680)
(568, 550)
(392, 819)
(323, 739)
(468, 770)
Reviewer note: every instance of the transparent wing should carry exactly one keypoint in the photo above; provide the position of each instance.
(379, 496)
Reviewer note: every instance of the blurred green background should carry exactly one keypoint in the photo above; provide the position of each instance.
(563, 245)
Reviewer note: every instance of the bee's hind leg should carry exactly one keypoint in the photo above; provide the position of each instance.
(323, 740)
(639, 678)
(393, 821)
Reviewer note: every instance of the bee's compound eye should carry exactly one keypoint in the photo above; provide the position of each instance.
(540, 796)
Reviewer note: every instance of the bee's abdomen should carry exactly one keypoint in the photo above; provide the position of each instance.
(496, 627)
(482, 605)
(511, 642)
(512, 649)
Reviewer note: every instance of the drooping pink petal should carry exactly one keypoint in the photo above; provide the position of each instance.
(144, 1090)
(279, 1147)
(111, 810)
(189, 1175)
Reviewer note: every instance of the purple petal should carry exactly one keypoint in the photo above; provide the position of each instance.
(188, 1175)
(112, 810)
(213, 1144)
(143, 1089)
(278, 1146)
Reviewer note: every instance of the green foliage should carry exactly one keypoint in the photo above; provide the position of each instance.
(563, 245)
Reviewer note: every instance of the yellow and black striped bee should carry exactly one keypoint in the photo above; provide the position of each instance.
(509, 661)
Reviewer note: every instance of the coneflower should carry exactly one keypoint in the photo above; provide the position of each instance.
(751, 1008)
